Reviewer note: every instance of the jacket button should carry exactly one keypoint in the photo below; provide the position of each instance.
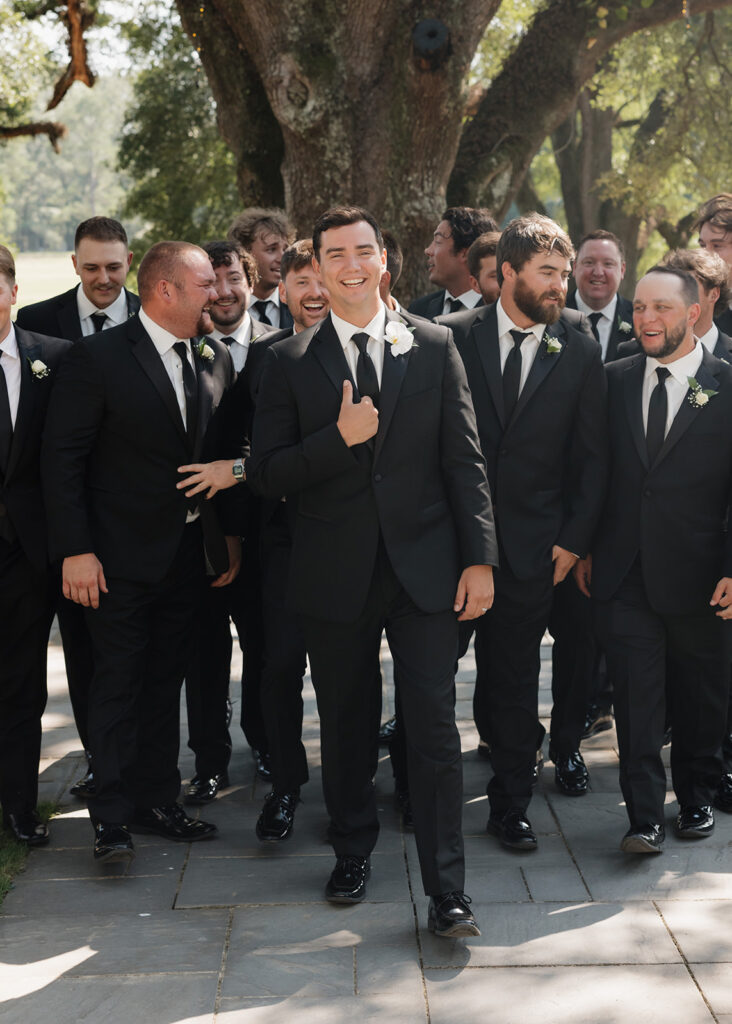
(378, 478)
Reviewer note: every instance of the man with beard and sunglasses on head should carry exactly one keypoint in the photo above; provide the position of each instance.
(539, 393)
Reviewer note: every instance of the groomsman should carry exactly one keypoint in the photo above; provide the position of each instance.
(129, 407)
(102, 259)
(447, 262)
(599, 268)
(393, 529)
(661, 567)
(28, 365)
(715, 234)
(265, 234)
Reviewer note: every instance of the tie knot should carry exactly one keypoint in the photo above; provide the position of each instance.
(518, 337)
(99, 320)
(361, 340)
(595, 318)
(662, 373)
(455, 304)
(182, 349)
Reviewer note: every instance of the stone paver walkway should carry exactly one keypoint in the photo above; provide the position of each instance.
(231, 931)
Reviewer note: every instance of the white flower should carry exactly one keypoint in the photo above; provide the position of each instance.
(553, 345)
(625, 327)
(701, 398)
(206, 352)
(39, 369)
(399, 337)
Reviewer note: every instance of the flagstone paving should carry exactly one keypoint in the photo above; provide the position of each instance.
(231, 931)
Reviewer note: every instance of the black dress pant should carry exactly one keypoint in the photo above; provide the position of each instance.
(640, 643)
(141, 635)
(507, 652)
(79, 661)
(573, 665)
(25, 615)
(344, 660)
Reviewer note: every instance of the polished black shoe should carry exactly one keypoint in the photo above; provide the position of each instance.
(570, 773)
(347, 883)
(276, 821)
(386, 732)
(172, 822)
(723, 796)
(643, 839)
(514, 830)
(450, 916)
(597, 720)
(112, 843)
(262, 765)
(27, 828)
(404, 805)
(85, 787)
(694, 822)
(203, 790)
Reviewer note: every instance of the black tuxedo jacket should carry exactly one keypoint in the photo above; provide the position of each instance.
(20, 488)
(59, 316)
(461, 322)
(547, 466)
(113, 441)
(673, 513)
(623, 315)
(419, 484)
(724, 322)
(722, 350)
(430, 306)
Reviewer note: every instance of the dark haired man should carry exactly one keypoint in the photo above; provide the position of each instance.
(28, 365)
(661, 565)
(265, 233)
(447, 262)
(393, 529)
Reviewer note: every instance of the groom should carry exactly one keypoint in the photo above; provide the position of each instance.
(367, 427)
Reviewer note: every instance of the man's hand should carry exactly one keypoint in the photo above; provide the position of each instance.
(83, 579)
(583, 575)
(722, 596)
(474, 592)
(563, 562)
(234, 546)
(357, 423)
(217, 476)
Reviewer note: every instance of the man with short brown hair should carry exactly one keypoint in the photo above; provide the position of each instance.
(265, 233)
(715, 233)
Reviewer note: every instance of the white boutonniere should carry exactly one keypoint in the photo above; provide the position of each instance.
(624, 326)
(205, 351)
(553, 345)
(399, 337)
(699, 396)
(38, 368)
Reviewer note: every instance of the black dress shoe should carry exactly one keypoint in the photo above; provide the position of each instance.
(347, 883)
(203, 790)
(450, 916)
(84, 787)
(723, 796)
(278, 817)
(112, 843)
(27, 828)
(262, 765)
(695, 822)
(513, 829)
(646, 838)
(386, 732)
(172, 822)
(570, 773)
(597, 720)
(404, 805)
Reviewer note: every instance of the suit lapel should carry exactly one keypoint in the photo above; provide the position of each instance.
(327, 349)
(392, 377)
(484, 333)
(68, 316)
(149, 359)
(26, 402)
(633, 388)
(688, 413)
(544, 363)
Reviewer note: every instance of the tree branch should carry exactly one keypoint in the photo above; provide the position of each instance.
(52, 129)
(78, 17)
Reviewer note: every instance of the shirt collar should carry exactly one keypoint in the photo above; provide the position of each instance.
(9, 344)
(117, 311)
(162, 340)
(608, 312)
(375, 328)
(680, 369)
(506, 324)
(469, 299)
(274, 296)
(709, 340)
(242, 335)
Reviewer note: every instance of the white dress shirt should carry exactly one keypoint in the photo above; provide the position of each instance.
(238, 342)
(606, 321)
(375, 347)
(677, 384)
(469, 299)
(529, 346)
(116, 313)
(10, 366)
(272, 314)
(709, 340)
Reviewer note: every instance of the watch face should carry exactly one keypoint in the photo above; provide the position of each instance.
(237, 469)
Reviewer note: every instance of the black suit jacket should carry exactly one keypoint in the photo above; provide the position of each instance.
(430, 306)
(113, 441)
(722, 349)
(461, 322)
(724, 322)
(59, 316)
(623, 315)
(547, 466)
(419, 484)
(673, 513)
(20, 488)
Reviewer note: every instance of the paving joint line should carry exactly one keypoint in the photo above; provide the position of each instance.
(686, 963)
(568, 847)
(418, 940)
(224, 960)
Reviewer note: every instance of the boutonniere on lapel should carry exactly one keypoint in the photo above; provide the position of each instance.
(699, 396)
(399, 337)
(624, 326)
(205, 351)
(38, 368)
(552, 345)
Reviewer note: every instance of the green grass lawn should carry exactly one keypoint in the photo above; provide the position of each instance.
(43, 274)
(13, 853)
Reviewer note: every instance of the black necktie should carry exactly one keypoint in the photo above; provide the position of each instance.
(594, 319)
(657, 413)
(6, 420)
(190, 389)
(512, 374)
(261, 307)
(366, 380)
(99, 320)
(455, 305)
